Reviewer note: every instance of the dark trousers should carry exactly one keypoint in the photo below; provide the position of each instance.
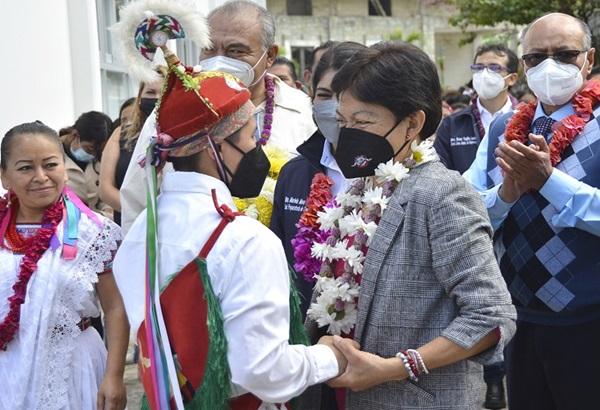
(554, 367)
(494, 373)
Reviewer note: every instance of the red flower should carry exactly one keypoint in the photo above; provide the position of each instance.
(519, 126)
(52, 216)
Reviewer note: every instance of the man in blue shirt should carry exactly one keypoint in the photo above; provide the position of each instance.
(539, 172)
(494, 70)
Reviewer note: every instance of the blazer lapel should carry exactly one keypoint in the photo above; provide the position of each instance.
(389, 227)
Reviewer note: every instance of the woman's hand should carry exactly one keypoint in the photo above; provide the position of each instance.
(365, 370)
(112, 394)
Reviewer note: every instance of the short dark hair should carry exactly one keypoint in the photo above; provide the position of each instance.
(334, 58)
(11, 138)
(502, 51)
(323, 46)
(190, 163)
(398, 76)
(96, 127)
(281, 60)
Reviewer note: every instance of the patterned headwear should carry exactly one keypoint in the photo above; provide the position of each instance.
(197, 105)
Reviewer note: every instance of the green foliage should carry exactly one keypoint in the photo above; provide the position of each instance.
(398, 35)
(492, 12)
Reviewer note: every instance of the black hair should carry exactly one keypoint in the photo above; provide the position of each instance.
(96, 127)
(501, 51)
(11, 137)
(398, 76)
(190, 163)
(323, 46)
(281, 60)
(334, 58)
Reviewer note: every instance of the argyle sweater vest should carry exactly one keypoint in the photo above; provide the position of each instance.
(552, 273)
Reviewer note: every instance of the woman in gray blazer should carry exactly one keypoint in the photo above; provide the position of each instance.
(430, 281)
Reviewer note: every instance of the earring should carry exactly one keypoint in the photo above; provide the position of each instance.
(8, 199)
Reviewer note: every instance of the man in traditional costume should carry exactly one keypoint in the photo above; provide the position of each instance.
(538, 171)
(207, 291)
(243, 44)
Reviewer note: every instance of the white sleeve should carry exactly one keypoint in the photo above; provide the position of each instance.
(255, 303)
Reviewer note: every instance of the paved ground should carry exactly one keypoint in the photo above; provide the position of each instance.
(135, 390)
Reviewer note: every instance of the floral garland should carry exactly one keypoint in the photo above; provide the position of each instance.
(514, 102)
(269, 109)
(341, 236)
(565, 131)
(50, 219)
(261, 207)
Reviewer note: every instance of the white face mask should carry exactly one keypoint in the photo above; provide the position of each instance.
(488, 84)
(238, 68)
(555, 83)
(325, 117)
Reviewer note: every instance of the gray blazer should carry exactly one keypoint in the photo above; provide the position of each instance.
(430, 271)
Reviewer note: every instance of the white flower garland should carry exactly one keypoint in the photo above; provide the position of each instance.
(350, 222)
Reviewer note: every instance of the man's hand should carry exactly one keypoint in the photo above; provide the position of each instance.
(341, 359)
(525, 167)
(364, 370)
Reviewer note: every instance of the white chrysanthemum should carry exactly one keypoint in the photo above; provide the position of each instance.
(375, 196)
(423, 152)
(351, 223)
(252, 211)
(344, 199)
(324, 283)
(328, 217)
(370, 229)
(268, 189)
(391, 171)
(346, 322)
(322, 251)
(355, 258)
(340, 249)
(344, 291)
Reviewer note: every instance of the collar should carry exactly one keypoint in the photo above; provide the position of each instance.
(285, 97)
(507, 107)
(327, 159)
(557, 115)
(312, 150)
(194, 182)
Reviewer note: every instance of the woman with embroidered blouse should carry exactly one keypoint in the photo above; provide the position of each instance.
(55, 265)
(407, 268)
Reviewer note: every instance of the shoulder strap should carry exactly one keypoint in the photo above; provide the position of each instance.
(228, 216)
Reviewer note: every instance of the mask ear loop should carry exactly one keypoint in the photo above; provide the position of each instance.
(254, 66)
(408, 140)
(221, 167)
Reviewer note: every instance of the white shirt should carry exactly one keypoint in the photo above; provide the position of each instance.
(333, 170)
(292, 125)
(249, 276)
(487, 117)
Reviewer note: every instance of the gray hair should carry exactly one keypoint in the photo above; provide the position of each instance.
(587, 34)
(242, 7)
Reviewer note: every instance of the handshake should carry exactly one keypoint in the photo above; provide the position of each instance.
(360, 370)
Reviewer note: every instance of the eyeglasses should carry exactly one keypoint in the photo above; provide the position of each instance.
(496, 68)
(564, 56)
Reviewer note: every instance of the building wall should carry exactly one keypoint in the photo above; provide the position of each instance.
(348, 20)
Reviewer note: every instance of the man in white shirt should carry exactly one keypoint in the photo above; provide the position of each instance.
(215, 155)
(243, 38)
(458, 136)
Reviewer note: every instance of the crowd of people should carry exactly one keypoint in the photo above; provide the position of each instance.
(423, 246)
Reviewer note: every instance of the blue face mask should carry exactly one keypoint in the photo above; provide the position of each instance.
(80, 154)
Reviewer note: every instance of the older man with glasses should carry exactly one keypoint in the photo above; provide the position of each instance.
(458, 136)
(538, 172)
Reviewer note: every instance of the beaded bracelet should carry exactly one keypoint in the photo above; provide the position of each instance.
(417, 357)
(402, 356)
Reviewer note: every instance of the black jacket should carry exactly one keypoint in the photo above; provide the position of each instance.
(457, 139)
(291, 191)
